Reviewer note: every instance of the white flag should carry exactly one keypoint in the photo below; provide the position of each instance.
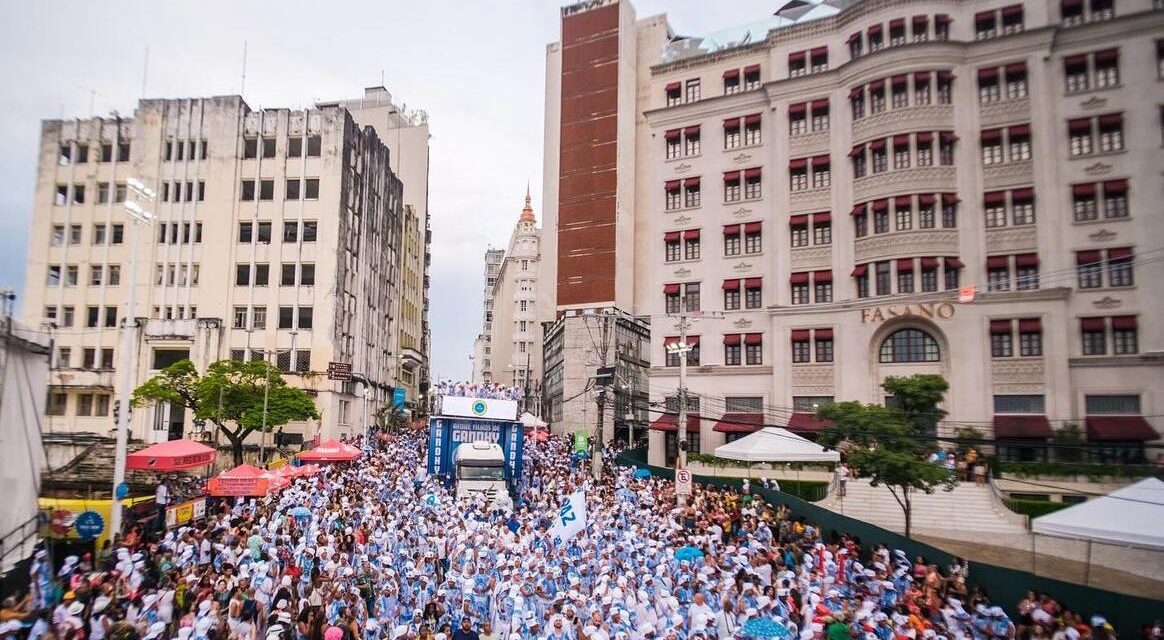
(571, 518)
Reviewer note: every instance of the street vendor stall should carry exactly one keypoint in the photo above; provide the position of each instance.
(331, 451)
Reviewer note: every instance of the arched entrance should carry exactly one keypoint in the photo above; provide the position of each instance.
(906, 347)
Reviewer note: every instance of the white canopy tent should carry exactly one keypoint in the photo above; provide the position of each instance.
(528, 419)
(773, 444)
(1130, 517)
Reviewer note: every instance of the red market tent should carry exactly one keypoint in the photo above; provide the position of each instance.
(331, 451)
(174, 455)
(243, 480)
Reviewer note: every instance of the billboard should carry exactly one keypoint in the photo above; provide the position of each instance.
(478, 408)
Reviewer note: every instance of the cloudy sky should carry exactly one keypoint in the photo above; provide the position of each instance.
(476, 67)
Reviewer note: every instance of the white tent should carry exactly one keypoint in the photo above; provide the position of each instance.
(530, 420)
(1129, 517)
(773, 444)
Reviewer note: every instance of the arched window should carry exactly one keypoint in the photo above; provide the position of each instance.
(910, 345)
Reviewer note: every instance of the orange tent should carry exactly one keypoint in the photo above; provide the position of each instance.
(331, 451)
(243, 480)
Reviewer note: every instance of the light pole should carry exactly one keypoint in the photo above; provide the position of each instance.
(138, 216)
(367, 428)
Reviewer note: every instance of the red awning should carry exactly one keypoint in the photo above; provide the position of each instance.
(1079, 125)
(753, 118)
(798, 221)
(874, 29)
(901, 140)
(801, 335)
(1000, 326)
(904, 264)
(1015, 69)
(819, 106)
(824, 275)
(1075, 62)
(174, 455)
(820, 161)
(922, 20)
(877, 144)
(947, 136)
(859, 270)
(857, 150)
(739, 423)
(753, 338)
(670, 422)
(670, 289)
(799, 278)
(731, 285)
(671, 236)
(1019, 130)
(823, 334)
(754, 172)
(671, 185)
(881, 205)
(1030, 325)
(921, 77)
(929, 263)
(942, 18)
(899, 80)
(731, 73)
(752, 227)
(951, 198)
(877, 85)
(994, 197)
(691, 234)
(731, 339)
(752, 68)
(1119, 252)
(691, 183)
(673, 86)
(1013, 10)
(946, 76)
(1123, 322)
(731, 123)
(1029, 426)
(797, 109)
(1112, 187)
(925, 136)
(823, 217)
(1120, 428)
(1026, 260)
(856, 92)
(903, 202)
(798, 163)
(1083, 189)
(796, 57)
(731, 229)
(693, 130)
(731, 176)
(989, 73)
(926, 198)
(818, 52)
(997, 262)
(954, 263)
(896, 23)
(331, 451)
(806, 422)
(1111, 120)
(991, 135)
(1087, 257)
(1022, 195)
(1091, 324)
(672, 134)
(753, 283)
(856, 37)
(983, 17)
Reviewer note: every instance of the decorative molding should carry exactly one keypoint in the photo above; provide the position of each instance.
(913, 180)
(1009, 174)
(1100, 168)
(810, 143)
(906, 243)
(742, 266)
(1094, 102)
(682, 220)
(742, 157)
(1103, 235)
(681, 167)
(927, 117)
(1020, 388)
(809, 200)
(1005, 111)
(811, 257)
(1024, 238)
(1107, 302)
(742, 323)
(741, 212)
(1020, 371)
(682, 272)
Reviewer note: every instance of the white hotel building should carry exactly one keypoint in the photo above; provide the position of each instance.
(833, 177)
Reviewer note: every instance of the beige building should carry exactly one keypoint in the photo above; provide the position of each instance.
(834, 179)
(516, 336)
(275, 233)
(406, 134)
(484, 368)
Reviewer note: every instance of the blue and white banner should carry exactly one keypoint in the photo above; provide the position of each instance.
(571, 519)
(488, 408)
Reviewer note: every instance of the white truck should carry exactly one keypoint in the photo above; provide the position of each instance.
(480, 469)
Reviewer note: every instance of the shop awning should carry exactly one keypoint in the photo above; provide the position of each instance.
(1032, 426)
(803, 421)
(1120, 429)
(670, 422)
(174, 455)
(243, 480)
(739, 423)
(331, 451)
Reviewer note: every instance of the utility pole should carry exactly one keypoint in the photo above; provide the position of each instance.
(682, 348)
(266, 396)
(605, 377)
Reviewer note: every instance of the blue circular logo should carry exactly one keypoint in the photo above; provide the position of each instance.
(479, 408)
(89, 524)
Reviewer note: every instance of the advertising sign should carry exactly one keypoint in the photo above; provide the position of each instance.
(185, 512)
(479, 408)
(89, 524)
(446, 434)
(398, 398)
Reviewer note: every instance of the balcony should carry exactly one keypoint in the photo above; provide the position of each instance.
(82, 379)
(935, 179)
(1017, 239)
(923, 242)
(170, 329)
(930, 117)
(1004, 112)
(1008, 174)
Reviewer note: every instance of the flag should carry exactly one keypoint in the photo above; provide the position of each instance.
(571, 518)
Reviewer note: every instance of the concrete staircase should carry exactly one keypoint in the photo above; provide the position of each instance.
(968, 512)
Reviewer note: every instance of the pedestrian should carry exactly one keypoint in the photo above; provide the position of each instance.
(842, 473)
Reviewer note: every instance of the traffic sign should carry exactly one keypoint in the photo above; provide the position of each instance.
(89, 524)
(683, 482)
(341, 371)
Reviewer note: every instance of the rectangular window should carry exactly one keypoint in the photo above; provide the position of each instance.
(824, 345)
(751, 77)
(1020, 145)
(821, 174)
(1124, 338)
(245, 232)
(1027, 277)
(925, 214)
(286, 317)
(240, 318)
(691, 249)
(1128, 404)
(876, 100)
(266, 190)
(752, 242)
(995, 214)
(693, 92)
(880, 220)
(731, 134)
(731, 82)
(691, 296)
(1115, 199)
(1111, 133)
(884, 287)
(731, 188)
(753, 353)
(292, 190)
(247, 191)
(674, 198)
(1019, 404)
(798, 179)
(1001, 345)
(1030, 340)
(1022, 210)
(1093, 333)
(798, 122)
(822, 233)
(305, 317)
(692, 195)
(242, 275)
(929, 279)
(752, 188)
(998, 279)
(925, 153)
(1119, 268)
(56, 404)
(287, 278)
(672, 252)
(752, 298)
(731, 298)
(1107, 68)
(731, 353)
(1089, 268)
(903, 218)
(904, 281)
(880, 160)
(731, 244)
(674, 145)
(671, 301)
(823, 290)
(800, 293)
(799, 235)
(310, 230)
(1016, 81)
(311, 188)
(801, 351)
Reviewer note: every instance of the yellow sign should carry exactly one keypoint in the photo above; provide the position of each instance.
(927, 310)
(185, 512)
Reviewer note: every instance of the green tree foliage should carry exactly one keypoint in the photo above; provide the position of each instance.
(888, 444)
(230, 395)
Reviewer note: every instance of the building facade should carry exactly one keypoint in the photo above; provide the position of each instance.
(406, 134)
(516, 337)
(850, 191)
(275, 234)
(483, 363)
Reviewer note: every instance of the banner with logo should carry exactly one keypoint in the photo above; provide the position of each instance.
(581, 442)
(478, 408)
(571, 518)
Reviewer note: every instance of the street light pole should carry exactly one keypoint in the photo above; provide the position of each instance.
(138, 216)
(266, 396)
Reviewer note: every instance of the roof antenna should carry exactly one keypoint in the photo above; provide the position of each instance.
(145, 68)
(243, 88)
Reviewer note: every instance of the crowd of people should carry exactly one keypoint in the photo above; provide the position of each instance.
(378, 550)
(489, 390)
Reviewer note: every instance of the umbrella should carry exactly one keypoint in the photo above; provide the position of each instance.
(300, 512)
(642, 473)
(764, 628)
(688, 553)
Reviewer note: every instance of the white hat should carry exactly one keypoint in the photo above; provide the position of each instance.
(156, 629)
(76, 608)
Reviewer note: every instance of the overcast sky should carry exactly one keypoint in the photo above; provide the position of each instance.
(477, 68)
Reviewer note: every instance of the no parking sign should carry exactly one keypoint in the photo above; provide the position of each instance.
(683, 482)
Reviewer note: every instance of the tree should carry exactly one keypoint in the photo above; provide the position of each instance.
(229, 395)
(888, 444)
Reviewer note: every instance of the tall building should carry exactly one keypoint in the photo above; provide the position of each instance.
(516, 336)
(275, 234)
(406, 134)
(483, 363)
(834, 178)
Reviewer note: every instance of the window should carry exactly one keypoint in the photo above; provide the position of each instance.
(691, 146)
(904, 280)
(984, 25)
(753, 349)
(731, 186)
(751, 77)
(1112, 404)
(674, 94)
(952, 274)
(731, 350)
(876, 40)
(268, 147)
(880, 216)
(242, 275)
(1093, 333)
(310, 230)
(950, 212)
(731, 82)
(1012, 20)
(692, 196)
(751, 130)
(691, 245)
(731, 240)
(1019, 138)
(672, 244)
(801, 348)
(860, 221)
(901, 157)
(752, 293)
(903, 214)
(897, 33)
(245, 232)
(876, 96)
(731, 133)
(994, 206)
(752, 185)
(1001, 339)
(107, 358)
(862, 279)
(1026, 271)
(992, 146)
(292, 190)
(822, 230)
(1119, 267)
(822, 286)
(1124, 337)
(288, 275)
(824, 345)
(819, 57)
(1022, 206)
(799, 234)
(909, 345)
(1016, 80)
(266, 189)
(240, 318)
(945, 87)
(752, 238)
(88, 358)
(674, 195)
(797, 64)
(921, 88)
(820, 116)
(925, 150)
(247, 191)
(929, 277)
(305, 317)
(799, 288)
(797, 119)
(1030, 337)
(1111, 132)
(691, 296)
(855, 45)
(731, 295)
(857, 102)
(883, 287)
(693, 92)
(56, 404)
(925, 213)
(798, 175)
(1019, 404)
(1115, 199)
(821, 172)
(899, 93)
(286, 317)
(1089, 269)
(1084, 202)
(880, 157)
